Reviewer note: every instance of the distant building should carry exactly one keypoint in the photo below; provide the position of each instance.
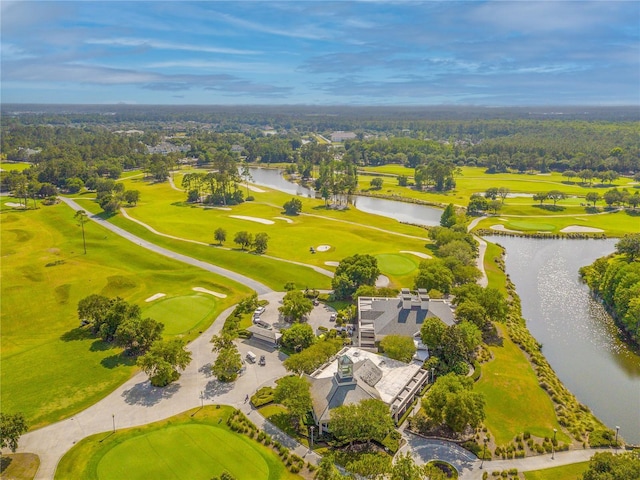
(402, 315)
(355, 375)
(341, 136)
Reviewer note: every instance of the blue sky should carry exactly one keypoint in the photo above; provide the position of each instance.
(335, 53)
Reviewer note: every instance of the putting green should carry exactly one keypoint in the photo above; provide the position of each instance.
(180, 314)
(529, 225)
(394, 264)
(186, 452)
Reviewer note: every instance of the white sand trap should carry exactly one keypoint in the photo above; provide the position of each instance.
(226, 209)
(322, 248)
(155, 297)
(15, 205)
(256, 189)
(254, 219)
(417, 254)
(580, 229)
(210, 292)
(501, 228)
(332, 264)
(382, 281)
(288, 220)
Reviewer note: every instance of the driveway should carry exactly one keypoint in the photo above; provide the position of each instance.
(425, 450)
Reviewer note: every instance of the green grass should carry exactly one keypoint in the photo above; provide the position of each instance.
(18, 167)
(19, 466)
(492, 268)
(515, 403)
(51, 368)
(570, 211)
(183, 447)
(347, 232)
(394, 264)
(181, 314)
(573, 471)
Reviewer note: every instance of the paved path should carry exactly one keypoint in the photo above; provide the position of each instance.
(136, 402)
(482, 249)
(257, 286)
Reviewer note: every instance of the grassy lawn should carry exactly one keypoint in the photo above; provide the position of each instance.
(181, 314)
(567, 472)
(164, 210)
(570, 211)
(181, 447)
(51, 368)
(492, 268)
(19, 466)
(18, 167)
(279, 416)
(515, 403)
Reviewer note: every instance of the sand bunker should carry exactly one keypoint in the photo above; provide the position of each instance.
(155, 297)
(322, 248)
(256, 189)
(288, 220)
(210, 292)
(382, 281)
(254, 219)
(580, 229)
(502, 228)
(332, 264)
(417, 254)
(226, 209)
(15, 205)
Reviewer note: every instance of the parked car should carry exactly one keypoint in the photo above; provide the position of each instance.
(333, 317)
(263, 361)
(258, 311)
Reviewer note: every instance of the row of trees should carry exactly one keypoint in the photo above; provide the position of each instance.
(616, 280)
(244, 239)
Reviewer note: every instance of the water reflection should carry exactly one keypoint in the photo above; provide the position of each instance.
(579, 338)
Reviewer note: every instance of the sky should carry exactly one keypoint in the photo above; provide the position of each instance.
(487, 53)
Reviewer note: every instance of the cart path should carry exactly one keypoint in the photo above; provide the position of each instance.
(260, 288)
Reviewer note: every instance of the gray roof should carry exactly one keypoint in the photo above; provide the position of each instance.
(273, 335)
(391, 319)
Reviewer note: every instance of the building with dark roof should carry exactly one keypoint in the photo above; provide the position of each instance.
(354, 375)
(401, 315)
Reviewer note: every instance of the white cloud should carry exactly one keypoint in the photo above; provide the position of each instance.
(159, 44)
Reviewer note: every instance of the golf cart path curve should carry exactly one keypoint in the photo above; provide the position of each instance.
(260, 288)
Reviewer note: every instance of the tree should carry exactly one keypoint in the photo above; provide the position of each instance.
(495, 205)
(298, 336)
(503, 193)
(92, 309)
(491, 193)
(452, 401)
(402, 180)
(327, 470)
(629, 245)
(245, 173)
(607, 466)
(471, 335)
(293, 392)
(137, 335)
(448, 218)
(132, 197)
(293, 206)
(119, 311)
(472, 311)
(220, 235)
(592, 197)
(372, 466)
(12, 427)
(556, 195)
(540, 197)
(405, 468)
(362, 422)
(569, 174)
(82, 218)
(477, 204)
(295, 305)
(433, 274)
(163, 360)
(376, 183)
(432, 332)
(227, 364)
(352, 272)
(260, 242)
(398, 347)
(243, 238)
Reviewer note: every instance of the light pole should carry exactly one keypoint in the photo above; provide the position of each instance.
(553, 444)
(311, 443)
(617, 430)
(432, 370)
(113, 417)
(484, 451)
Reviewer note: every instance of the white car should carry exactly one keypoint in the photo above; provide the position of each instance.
(258, 311)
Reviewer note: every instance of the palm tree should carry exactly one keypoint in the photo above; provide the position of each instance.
(82, 218)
